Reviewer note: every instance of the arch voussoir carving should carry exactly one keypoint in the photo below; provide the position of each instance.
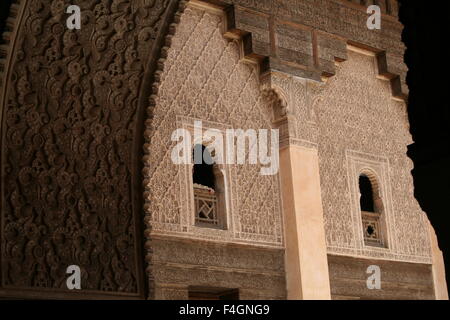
(72, 106)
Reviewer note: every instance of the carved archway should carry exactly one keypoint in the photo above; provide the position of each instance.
(79, 162)
(73, 106)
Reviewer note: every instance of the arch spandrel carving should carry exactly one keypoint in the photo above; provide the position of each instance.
(72, 107)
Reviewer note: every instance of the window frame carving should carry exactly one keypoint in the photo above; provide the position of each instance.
(188, 219)
(376, 168)
(215, 201)
(376, 218)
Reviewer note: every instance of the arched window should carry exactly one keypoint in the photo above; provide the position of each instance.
(209, 190)
(371, 210)
(365, 189)
(203, 173)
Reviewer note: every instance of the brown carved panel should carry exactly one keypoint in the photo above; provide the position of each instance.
(399, 280)
(70, 133)
(178, 264)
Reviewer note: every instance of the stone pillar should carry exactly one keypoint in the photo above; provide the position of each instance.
(306, 253)
(440, 283)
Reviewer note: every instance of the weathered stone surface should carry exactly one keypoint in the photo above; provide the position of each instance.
(330, 50)
(399, 280)
(294, 44)
(340, 20)
(257, 272)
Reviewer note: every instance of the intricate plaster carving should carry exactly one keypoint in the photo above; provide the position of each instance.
(204, 78)
(186, 183)
(357, 112)
(88, 148)
(377, 169)
(70, 104)
(305, 40)
(361, 98)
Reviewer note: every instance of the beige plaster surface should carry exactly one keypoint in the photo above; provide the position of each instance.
(306, 252)
(440, 283)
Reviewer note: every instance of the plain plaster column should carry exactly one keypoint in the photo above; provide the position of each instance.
(306, 253)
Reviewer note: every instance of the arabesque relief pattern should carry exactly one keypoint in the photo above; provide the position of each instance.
(355, 111)
(69, 121)
(352, 111)
(205, 79)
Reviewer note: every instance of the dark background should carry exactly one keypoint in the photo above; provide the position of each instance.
(4, 12)
(426, 36)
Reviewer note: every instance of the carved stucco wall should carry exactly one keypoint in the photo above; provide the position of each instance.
(352, 115)
(72, 110)
(357, 113)
(355, 123)
(205, 79)
(117, 43)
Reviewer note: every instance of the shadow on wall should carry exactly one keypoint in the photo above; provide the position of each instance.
(4, 13)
